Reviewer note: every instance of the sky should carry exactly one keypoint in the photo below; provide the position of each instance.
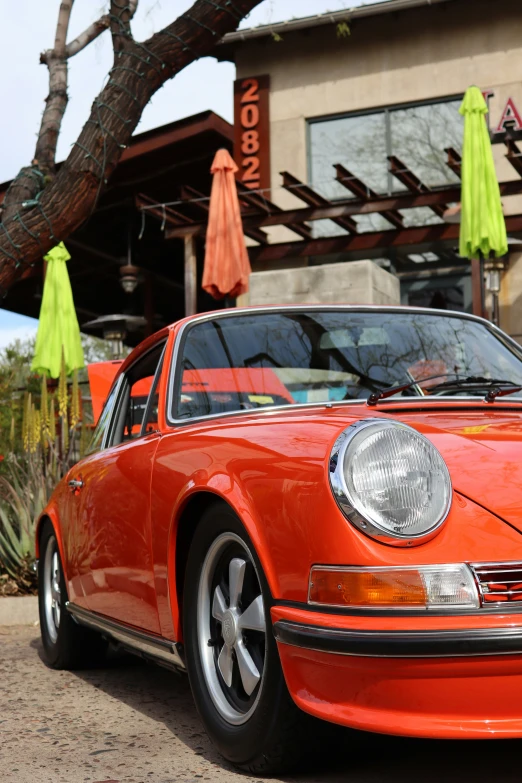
(28, 27)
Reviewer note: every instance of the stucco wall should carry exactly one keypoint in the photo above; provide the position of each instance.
(398, 58)
(417, 55)
(511, 298)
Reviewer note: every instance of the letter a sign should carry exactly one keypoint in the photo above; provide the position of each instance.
(510, 118)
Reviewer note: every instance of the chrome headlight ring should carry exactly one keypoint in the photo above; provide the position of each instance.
(345, 448)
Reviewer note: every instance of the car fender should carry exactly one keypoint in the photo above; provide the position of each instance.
(196, 494)
(231, 493)
(51, 514)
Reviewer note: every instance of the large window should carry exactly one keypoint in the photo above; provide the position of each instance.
(416, 134)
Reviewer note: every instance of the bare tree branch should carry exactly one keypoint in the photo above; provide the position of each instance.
(120, 14)
(56, 101)
(40, 210)
(31, 180)
(89, 34)
(62, 27)
(95, 29)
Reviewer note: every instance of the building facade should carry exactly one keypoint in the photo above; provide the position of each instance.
(384, 81)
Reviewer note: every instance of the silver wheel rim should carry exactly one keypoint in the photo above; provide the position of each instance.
(228, 656)
(52, 589)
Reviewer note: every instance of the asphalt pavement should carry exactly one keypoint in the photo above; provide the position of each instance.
(134, 722)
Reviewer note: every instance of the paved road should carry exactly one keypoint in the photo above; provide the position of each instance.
(133, 722)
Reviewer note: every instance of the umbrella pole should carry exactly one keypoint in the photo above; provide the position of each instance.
(477, 286)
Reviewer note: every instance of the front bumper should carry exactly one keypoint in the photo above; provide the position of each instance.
(401, 644)
(456, 677)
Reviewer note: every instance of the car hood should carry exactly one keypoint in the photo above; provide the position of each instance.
(483, 451)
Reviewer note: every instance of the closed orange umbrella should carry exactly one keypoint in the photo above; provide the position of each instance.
(227, 266)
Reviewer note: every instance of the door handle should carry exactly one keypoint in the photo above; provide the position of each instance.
(75, 484)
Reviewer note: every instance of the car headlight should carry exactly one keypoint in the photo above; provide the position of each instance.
(390, 481)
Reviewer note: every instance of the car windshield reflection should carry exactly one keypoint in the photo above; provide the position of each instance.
(267, 359)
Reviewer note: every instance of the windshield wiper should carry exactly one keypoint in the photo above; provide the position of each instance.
(374, 398)
(472, 380)
(476, 381)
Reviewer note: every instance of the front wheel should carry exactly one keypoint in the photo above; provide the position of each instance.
(231, 655)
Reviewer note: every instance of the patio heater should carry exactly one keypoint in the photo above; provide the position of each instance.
(493, 269)
(114, 329)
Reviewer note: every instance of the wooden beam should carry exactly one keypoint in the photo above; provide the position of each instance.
(259, 202)
(190, 275)
(95, 252)
(514, 155)
(401, 172)
(454, 160)
(374, 240)
(165, 214)
(197, 199)
(309, 196)
(477, 287)
(352, 207)
(364, 193)
(149, 304)
(158, 139)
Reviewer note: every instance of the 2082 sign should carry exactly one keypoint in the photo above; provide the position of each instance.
(251, 131)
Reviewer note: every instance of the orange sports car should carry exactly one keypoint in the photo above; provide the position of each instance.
(314, 511)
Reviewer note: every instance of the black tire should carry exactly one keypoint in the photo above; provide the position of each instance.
(271, 740)
(66, 645)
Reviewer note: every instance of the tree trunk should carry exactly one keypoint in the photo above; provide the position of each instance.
(38, 213)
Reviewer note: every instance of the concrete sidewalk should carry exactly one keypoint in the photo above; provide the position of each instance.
(18, 610)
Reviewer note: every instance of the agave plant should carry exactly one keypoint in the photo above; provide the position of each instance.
(53, 437)
(23, 497)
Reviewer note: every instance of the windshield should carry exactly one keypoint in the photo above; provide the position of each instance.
(260, 360)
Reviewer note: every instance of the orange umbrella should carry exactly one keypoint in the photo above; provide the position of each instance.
(227, 266)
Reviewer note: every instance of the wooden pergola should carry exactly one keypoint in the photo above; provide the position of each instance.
(186, 218)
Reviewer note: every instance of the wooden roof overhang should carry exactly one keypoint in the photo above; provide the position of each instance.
(161, 161)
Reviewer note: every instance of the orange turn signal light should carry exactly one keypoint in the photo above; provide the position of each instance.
(372, 587)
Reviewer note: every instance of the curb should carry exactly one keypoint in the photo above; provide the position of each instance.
(19, 610)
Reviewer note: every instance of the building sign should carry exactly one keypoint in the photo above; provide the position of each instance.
(511, 118)
(252, 131)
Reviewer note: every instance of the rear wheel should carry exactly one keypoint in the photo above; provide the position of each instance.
(231, 655)
(66, 645)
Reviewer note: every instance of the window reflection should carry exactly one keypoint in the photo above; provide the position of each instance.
(265, 360)
(417, 135)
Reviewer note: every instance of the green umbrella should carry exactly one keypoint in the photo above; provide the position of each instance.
(58, 329)
(482, 226)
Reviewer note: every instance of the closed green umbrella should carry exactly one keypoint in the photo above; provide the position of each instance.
(482, 225)
(58, 329)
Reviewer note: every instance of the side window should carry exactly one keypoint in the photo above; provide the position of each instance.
(103, 421)
(136, 411)
(150, 420)
(233, 364)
